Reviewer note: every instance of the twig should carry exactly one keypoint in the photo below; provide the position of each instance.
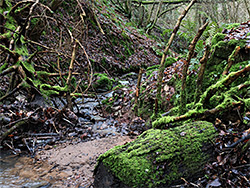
(13, 91)
(238, 141)
(137, 92)
(71, 67)
(90, 66)
(14, 125)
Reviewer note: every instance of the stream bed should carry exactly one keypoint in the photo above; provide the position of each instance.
(66, 157)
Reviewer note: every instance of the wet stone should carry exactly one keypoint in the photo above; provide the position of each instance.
(72, 134)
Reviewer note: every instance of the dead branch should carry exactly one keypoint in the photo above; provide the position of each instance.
(137, 92)
(89, 66)
(186, 65)
(176, 28)
(71, 67)
(9, 70)
(13, 91)
(203, 63)
(238, 141)
(14, 125)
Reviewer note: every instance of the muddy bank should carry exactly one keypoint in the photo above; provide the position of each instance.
(72, 165)
(64, 165)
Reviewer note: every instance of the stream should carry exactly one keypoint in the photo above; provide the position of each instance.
(67, 164)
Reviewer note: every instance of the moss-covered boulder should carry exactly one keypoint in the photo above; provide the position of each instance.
(157, 158)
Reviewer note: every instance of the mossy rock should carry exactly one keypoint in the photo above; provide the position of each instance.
(157, 158)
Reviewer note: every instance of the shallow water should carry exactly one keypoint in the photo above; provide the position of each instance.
(9, 173)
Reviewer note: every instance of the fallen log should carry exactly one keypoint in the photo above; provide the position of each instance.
(157, 158)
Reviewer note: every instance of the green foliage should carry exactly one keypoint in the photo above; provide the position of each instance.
(3, 67)
(181, 40)
(199, 49)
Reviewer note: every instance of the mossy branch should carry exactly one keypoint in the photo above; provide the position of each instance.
(197, 114)
(71, 67)
(232, 59)
(14, 125)
(224, 82)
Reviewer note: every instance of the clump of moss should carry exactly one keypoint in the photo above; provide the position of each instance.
(233, 25)
(103, 81)
(161, 157)
(169, 61)
(217, 38)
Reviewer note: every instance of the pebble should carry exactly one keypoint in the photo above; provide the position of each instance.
(72, 134)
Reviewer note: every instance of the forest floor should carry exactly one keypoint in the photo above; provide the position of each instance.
(63, 145)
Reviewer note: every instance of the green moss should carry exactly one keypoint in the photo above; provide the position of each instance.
(217, 38)
(169, 61)
(151, 69)
(160, 157)
(3, 67)
(103, 81)
(28, 66)
(43, 75)
(234, 43)
(239, 66)
(51, 90)
(161, 122)
(233, 25)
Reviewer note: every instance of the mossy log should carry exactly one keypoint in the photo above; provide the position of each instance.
(157, 158)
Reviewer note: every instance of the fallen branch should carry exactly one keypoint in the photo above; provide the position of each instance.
(225, 82)
(198, 115)
(238, 141)
(14, 125)
(13, 91)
